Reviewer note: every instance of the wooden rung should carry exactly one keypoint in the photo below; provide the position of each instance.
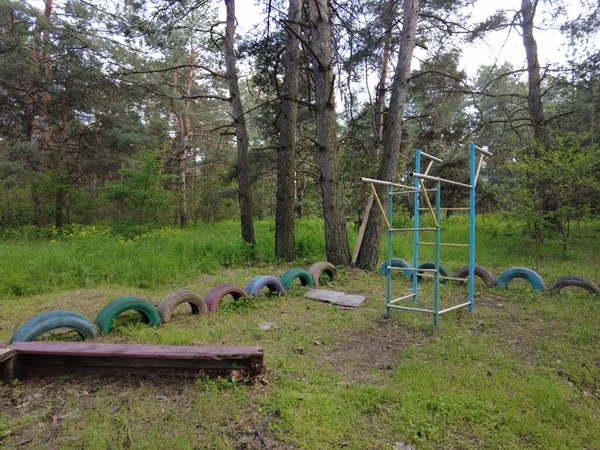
(412, 229)
(446, 209)
(402, 298)
(426, 275)
(447, 244)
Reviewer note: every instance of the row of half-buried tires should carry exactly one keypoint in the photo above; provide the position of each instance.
(162, 312)
(502, 281)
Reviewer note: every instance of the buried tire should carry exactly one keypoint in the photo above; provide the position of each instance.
(444, 271)
(254, 286)
(122, 304)
(166, 306)
(320, 268)
(216, 294)
(52, 320)
(287, 279)
(531, 276)
(488, 277)
(396, 262)
(575, 280)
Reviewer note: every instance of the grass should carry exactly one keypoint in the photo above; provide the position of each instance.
(521, 371)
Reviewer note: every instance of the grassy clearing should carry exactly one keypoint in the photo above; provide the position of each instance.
(87, 257)
(521, 371)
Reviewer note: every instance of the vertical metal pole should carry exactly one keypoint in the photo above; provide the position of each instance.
(471, 226)
(416, 226)
(388, 287)
(436, 286)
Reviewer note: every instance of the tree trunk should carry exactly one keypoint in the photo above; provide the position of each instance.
(388, 19)
(284, 217)
(534, 97)
(336, 239)
(181, 145)
(241, 133)
(369, 252)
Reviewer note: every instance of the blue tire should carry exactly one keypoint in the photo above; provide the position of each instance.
(52, 320)
(396, 262)
(521, 272)
(254, 286)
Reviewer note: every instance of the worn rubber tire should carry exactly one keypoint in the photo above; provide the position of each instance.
(118, 306)
(444, 271)
(254, 286)
(319, 268)
(396, 262)
(489, 279)
(216, 294)
(575, 280)
(51, 320)
(166, 306)
(287, 279)
(531, 276)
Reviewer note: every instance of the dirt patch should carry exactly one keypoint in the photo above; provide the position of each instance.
(370, 355)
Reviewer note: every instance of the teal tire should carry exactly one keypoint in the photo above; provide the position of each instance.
(118, 306)
(396, 262)
(52, 320)
(287, 279)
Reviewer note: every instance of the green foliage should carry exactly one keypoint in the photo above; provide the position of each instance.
(142, 192)
(552, 187)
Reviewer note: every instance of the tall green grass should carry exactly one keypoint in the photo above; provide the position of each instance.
(41, 260)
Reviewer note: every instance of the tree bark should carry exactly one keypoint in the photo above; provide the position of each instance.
(388, 20)
(392, 135)
(336, 239)
(186, 133)
(284, 216)
(241, 132)
(534, 98)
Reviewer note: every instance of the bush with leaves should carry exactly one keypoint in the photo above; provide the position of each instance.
(142, 192)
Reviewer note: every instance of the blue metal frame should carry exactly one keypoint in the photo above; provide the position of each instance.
(416, 227)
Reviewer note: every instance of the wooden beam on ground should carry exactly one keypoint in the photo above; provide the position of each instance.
(52, 358)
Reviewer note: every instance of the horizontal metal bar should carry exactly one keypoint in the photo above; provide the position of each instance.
(435, 158)
(397, 268)
(402, 298)
(411, 269)
(453, 307)
(445, 278)
(385, 183)
(482, 150)
(447, 244)
(410, 309)
(446, 209)
(443, 180)
(412, 229)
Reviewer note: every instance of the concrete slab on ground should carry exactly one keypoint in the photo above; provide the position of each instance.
(335, 297)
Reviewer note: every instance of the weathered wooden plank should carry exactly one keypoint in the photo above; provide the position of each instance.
(135, 350)
(49, 358)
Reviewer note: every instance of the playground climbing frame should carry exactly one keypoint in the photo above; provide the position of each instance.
(419, 189)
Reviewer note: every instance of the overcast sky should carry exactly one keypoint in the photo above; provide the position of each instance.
(500, 46)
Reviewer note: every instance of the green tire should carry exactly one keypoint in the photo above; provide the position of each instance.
(118, 306)
(287, 279)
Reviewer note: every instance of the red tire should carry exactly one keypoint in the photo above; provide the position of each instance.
(216, 294)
